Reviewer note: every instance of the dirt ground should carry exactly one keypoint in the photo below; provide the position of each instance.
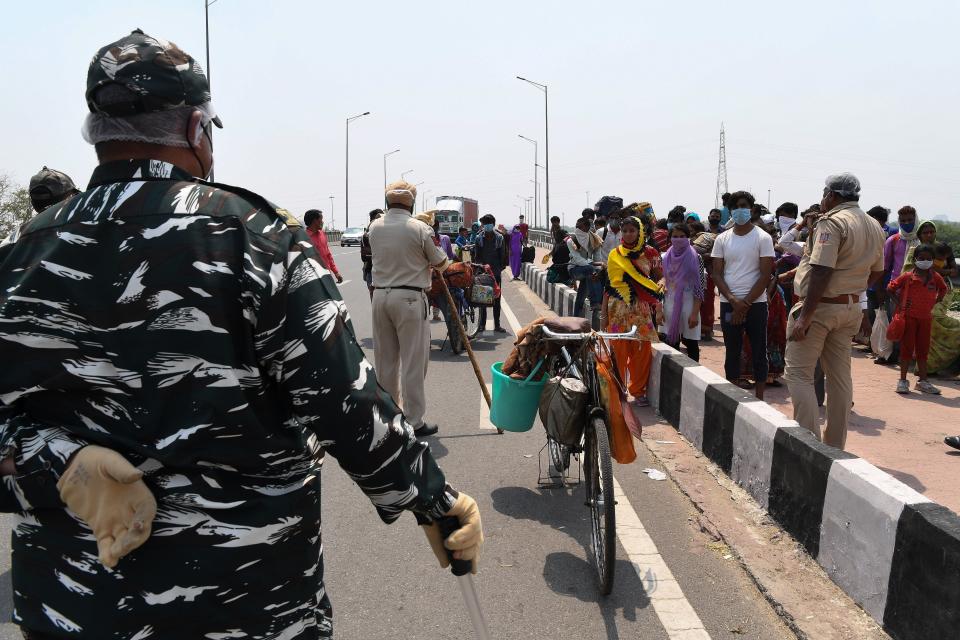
(901, 434)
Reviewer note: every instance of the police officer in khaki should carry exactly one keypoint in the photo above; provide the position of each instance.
(404, 252)
(843, 254)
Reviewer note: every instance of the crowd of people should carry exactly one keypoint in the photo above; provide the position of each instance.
(796, 290)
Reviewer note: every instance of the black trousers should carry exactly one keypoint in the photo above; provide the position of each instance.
(693, 348)
(756, 328)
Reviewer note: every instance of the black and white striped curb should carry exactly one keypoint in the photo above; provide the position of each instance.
(893, 551)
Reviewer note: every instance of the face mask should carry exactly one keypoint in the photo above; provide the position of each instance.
(713, 221)
(488, 228)
(785, 224)
(680, 244)
(615, 227)
(923, 265)
(670, 226)
(740, 216)
(907, 226)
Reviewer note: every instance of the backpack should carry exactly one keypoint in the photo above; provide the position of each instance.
(561, 252)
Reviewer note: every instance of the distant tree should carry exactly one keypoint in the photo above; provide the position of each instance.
(15, 206)
(949, 232)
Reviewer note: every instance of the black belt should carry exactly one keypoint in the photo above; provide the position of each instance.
(404, 287)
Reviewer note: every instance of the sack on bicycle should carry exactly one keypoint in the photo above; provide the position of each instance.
(562, 409)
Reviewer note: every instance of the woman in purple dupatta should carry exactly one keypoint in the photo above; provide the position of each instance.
(684, 275)
(516, 251)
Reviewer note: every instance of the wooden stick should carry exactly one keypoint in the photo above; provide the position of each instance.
(466, 343)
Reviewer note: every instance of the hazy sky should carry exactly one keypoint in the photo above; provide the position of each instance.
(637, 94)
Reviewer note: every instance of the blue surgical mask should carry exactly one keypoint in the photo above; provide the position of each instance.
(907, 226)
(740, 216)
(488, 228)
(670, 226)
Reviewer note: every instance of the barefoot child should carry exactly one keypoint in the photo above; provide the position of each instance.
(920, 289)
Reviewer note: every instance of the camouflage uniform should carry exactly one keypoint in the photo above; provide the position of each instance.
(190, 327)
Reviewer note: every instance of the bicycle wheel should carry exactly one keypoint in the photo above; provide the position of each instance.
(559, 455)
(471, 320)
(598, 471)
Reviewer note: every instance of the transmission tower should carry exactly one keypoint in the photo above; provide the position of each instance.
(721, 168)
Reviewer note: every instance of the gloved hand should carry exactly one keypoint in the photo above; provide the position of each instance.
(466, 541)
(107, 492)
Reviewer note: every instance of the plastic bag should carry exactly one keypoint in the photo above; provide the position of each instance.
(878, 336)
(562, 409)
(944, 335)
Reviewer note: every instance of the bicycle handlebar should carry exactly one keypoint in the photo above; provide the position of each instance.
(551, 335)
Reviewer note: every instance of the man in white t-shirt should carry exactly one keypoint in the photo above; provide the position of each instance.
(742, 264)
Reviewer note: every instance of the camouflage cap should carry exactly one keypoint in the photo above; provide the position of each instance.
(159, 73)
(50, 186)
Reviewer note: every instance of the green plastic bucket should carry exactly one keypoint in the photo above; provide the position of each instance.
(515, 402)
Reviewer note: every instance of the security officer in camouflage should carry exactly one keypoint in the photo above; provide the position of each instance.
(182, 358)
(49, 187)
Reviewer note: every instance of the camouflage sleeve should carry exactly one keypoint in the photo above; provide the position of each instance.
(305, 344)
(40, 456)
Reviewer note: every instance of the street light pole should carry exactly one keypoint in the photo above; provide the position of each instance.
(403, 176)
(389, 153)
(536, 163)
(346, 186)
(546, 125)
(206, 17)
(417, 187)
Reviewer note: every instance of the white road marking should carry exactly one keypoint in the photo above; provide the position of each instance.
(485, 411)
(674, 610)
(344, 253)
(345, 282)
(511, 318)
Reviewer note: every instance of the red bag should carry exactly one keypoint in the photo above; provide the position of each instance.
(899, 322)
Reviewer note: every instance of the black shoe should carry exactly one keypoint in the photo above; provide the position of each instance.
(426, 430)
(500, 330)
(953, 441)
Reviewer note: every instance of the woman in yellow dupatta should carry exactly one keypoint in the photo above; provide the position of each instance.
(634, 298)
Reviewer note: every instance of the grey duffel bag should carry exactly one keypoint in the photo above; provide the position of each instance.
(563, 404)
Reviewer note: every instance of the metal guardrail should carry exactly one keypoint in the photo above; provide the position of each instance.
(333, 236)
(540, 238)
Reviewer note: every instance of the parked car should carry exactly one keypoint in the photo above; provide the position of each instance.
(353, 235)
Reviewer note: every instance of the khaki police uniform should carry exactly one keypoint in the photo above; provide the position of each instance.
(849, 242)
(403, 253)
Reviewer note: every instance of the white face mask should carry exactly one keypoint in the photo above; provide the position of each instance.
(786, 223)
(924, 264)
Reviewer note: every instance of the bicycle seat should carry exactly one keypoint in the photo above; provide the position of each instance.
(567, 324)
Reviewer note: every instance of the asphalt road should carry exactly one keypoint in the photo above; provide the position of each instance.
(536, 580)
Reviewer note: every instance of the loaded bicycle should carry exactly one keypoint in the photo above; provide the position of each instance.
(585, 436)
(468, 284)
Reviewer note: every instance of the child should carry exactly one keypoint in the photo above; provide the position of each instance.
(920, 289)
